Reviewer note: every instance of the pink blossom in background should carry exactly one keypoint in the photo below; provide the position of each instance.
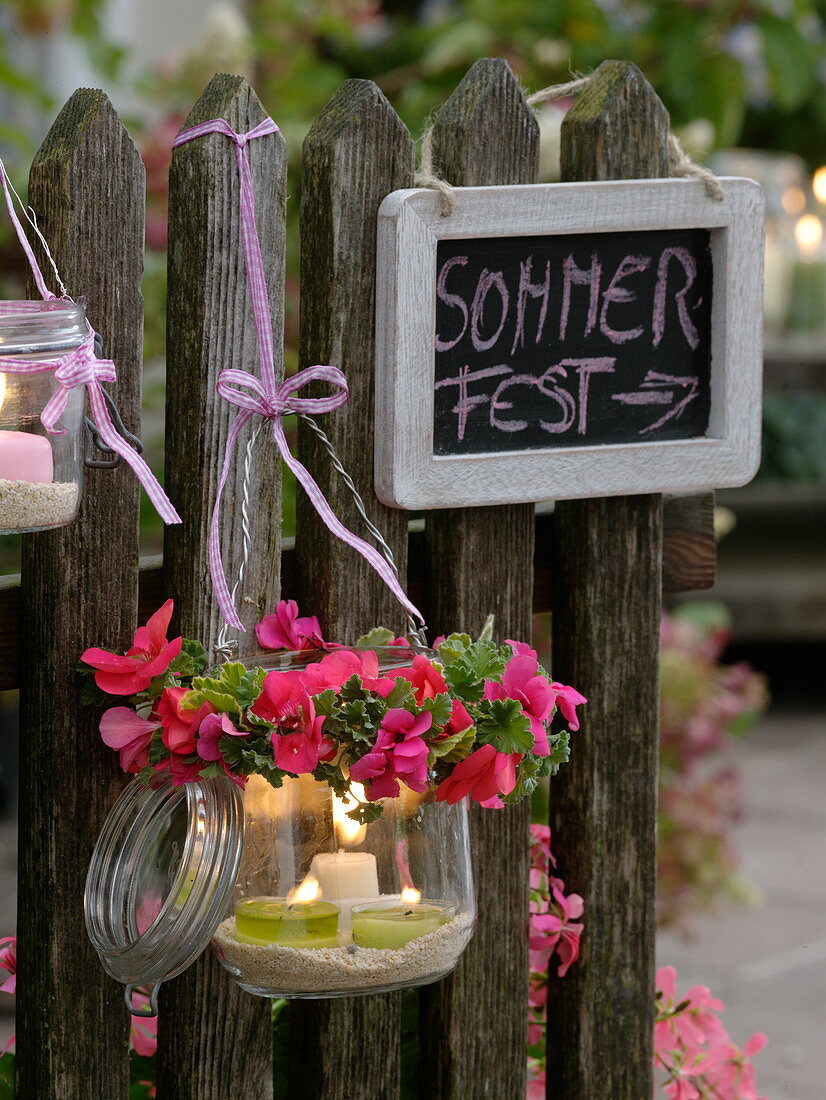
(285, 630)
(143, 1034)
(399, 753)
(484, 775)
(150, 655)
(556, 930)
(8, 962)
(180, 725)
(122, 729)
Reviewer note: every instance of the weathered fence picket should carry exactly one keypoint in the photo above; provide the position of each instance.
(79, 588)
(214, 1040)
(600, 563)
(473, 1027)
(606, 622)
(356, 152)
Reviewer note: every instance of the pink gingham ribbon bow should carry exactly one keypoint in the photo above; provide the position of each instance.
(267, 398)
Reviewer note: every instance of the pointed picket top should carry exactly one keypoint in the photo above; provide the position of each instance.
(356, 107)
(486, 133)
(617, 128)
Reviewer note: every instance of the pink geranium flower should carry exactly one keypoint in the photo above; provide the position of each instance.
(426, 679)
(150, 655)
(522, 681)
(557, 930)
(399, 753)
(179, 725)
(484, 775)
(337, 667)
(122, 729)
(210, 732)
(285, 630)
(298, 743)
(8, 962)
(568, 699)
(180, 769)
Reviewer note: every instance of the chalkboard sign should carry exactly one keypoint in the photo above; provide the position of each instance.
(567, 340)
(572, 340)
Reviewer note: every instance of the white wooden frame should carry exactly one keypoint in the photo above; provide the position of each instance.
(410, 225)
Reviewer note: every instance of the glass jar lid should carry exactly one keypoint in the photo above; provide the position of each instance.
(161, 878)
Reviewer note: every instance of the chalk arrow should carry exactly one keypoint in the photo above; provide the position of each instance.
(652, 392)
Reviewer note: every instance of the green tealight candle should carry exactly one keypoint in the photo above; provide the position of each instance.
(392, 926)
(297, 924)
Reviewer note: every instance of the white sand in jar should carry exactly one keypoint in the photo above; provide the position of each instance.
(26, 504)
(315, 969)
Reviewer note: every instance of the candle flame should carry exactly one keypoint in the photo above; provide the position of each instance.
(808, 232)
(349, 831)
(410, 895)
(306, 891)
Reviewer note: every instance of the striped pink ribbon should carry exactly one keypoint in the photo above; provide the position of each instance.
(80, 367)
(264, 397)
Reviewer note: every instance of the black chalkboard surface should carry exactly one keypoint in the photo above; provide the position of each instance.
(563, 341)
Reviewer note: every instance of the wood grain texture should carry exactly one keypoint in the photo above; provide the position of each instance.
(356, 151)
(606, 621)
(79, 588)
(411, 227)
(211, 328)
(689, 565)
(215, 1041)
(480, 560)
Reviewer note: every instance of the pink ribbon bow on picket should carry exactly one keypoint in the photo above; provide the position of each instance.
(267, 398)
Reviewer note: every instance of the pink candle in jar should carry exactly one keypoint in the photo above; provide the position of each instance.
(25, 456)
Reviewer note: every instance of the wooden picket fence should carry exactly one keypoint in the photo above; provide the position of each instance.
(599, 565)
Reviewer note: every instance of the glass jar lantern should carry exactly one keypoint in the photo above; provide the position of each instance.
(325, 907)
(41, 475)
(297, 898)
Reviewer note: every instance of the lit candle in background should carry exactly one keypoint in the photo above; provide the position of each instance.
(299, 920)
(391, 925)
(24, 456)
(807, 308)
(347, 877)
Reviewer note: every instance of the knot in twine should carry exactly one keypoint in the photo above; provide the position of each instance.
(680, 164)
(265, 396)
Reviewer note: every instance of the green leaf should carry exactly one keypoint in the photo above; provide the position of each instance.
(250, 687)
(206, 690)
(231, 674)
(486, 659)
(191, 661)
(455, 748)
(353, 689)
(211, 771)
(454, 646)
(402, 695)
(331, 774)
(157, 749)
(487, 629)
(365, 812)
(326, 702)
(440, 706)
(503, 724)
(378, 636)
(464, 683)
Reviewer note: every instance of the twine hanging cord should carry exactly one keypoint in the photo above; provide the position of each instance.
(680, 164)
